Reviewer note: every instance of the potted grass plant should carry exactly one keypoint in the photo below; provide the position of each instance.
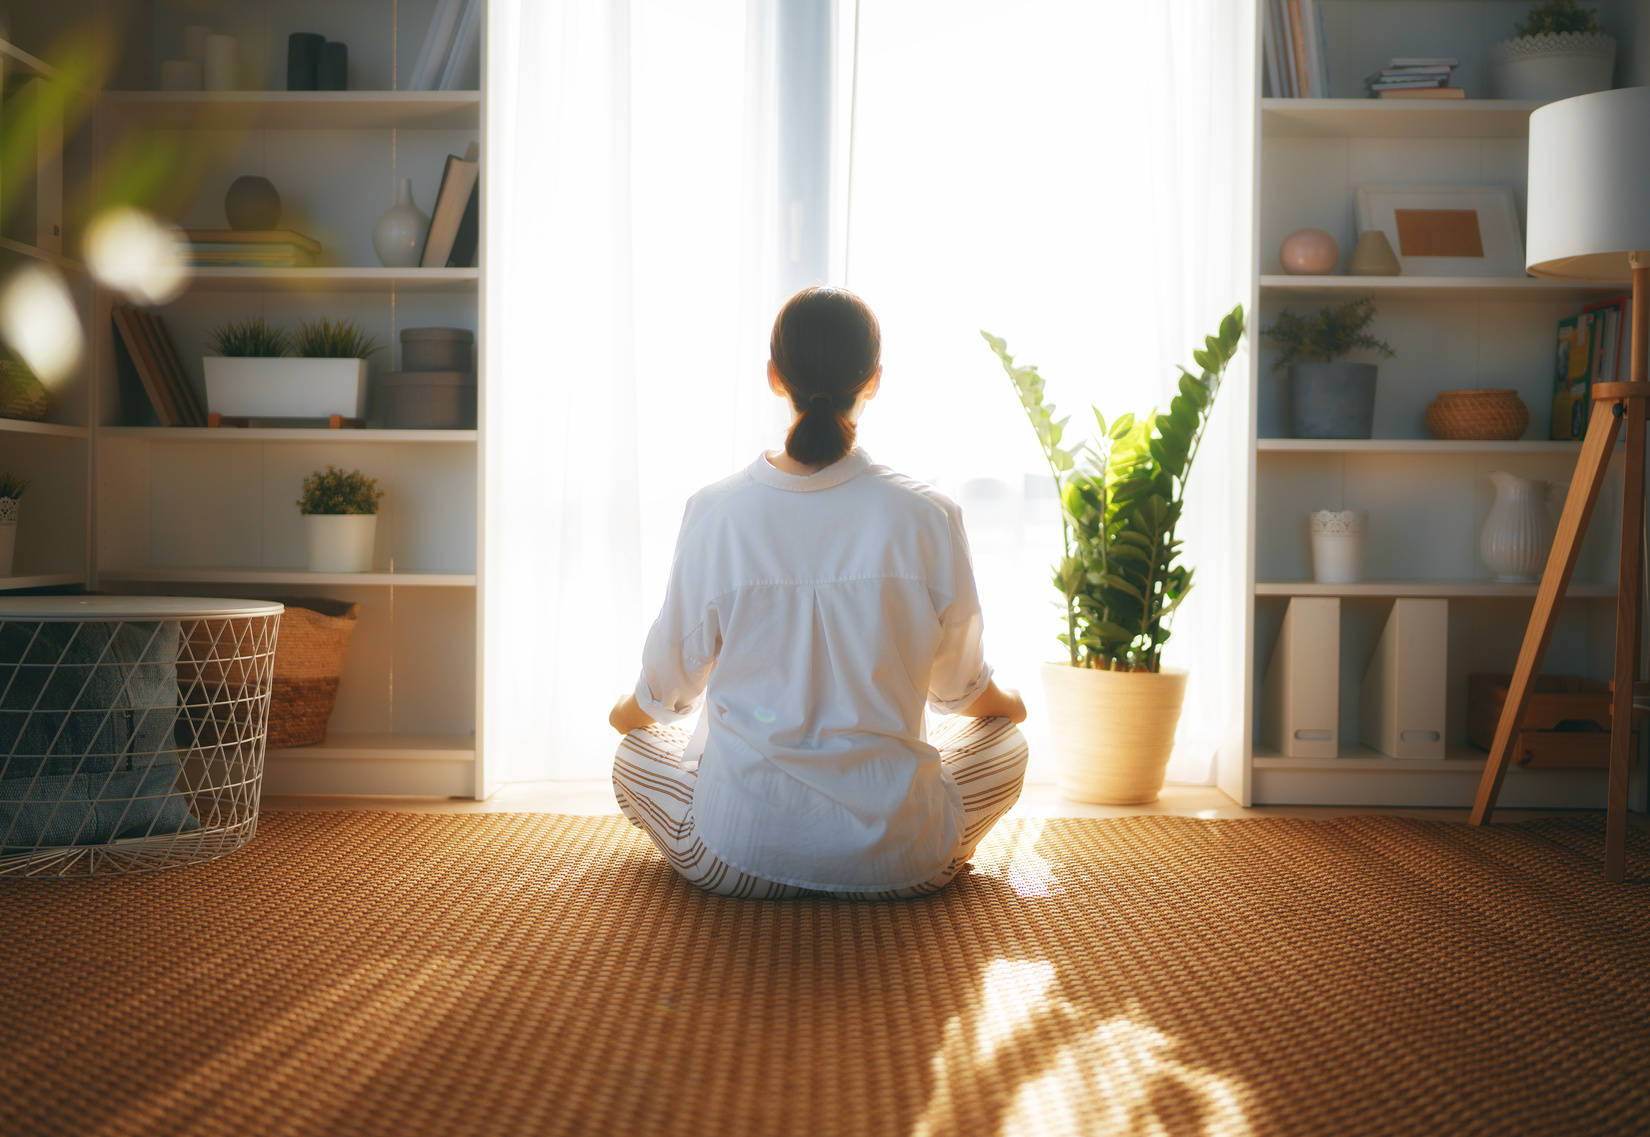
(1328, 396)
(340, 511)
(259, 371)
(11, 489)
(1113, 706)
(1560, 51)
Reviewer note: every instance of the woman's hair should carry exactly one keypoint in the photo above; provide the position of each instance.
(826, 345)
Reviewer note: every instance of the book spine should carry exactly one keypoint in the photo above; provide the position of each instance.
(464, 41)
(1297, 35)
(1309, 33)
(1323, 50)
(433, 56)
(189, 401)
(1286, 57)
(469, 232)
(1269, 41)
(147, 371)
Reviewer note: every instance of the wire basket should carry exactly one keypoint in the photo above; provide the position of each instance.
(132, 730)
(1489, 415)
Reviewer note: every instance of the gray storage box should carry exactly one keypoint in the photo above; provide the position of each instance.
(437, 349)
(427, 400)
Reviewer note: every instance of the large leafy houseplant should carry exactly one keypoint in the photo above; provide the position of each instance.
(1121, 497)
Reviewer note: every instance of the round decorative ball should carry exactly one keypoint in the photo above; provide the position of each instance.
(1309, 252)
(252, 203)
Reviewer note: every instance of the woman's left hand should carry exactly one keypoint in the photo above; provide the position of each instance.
(627, 715)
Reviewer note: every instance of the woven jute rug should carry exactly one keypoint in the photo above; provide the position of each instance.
(404, 974)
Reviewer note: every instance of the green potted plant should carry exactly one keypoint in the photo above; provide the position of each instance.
(11, 489)
(1113, 706)
(340, 511)
(1560, 51)
(260, 371)
(1328, 397)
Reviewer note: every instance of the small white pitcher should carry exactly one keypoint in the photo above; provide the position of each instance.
(1518, 532)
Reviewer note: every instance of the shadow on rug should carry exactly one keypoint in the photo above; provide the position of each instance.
(407, 974)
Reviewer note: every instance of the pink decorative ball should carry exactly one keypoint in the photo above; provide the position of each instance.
(1309, 252)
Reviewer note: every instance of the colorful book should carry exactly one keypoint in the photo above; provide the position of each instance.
(1572, 377)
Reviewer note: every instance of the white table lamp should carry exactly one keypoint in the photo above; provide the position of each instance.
(1589, 220)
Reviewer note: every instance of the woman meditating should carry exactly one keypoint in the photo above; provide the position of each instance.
(816, 601)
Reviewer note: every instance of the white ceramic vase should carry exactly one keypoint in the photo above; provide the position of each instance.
(1112, 731)
(1519, 531)
(8, 533)
(398, 234)
(1337, 546)
(1552, 66)
(340, 542)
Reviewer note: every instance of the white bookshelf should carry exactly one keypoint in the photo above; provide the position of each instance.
(123, 505)
(1426, 499)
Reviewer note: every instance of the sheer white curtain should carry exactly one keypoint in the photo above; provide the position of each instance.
(1015, 167)
(1028, 170)
(629, 226)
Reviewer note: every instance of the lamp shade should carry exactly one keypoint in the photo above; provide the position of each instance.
(1589, 202)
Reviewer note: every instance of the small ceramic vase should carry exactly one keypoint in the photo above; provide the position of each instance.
(1337, 546)
(223, 64)
(1518, 532)
(1373, 256)
(1309, 252)
(398, 235)
(194, 44)
(252, 203)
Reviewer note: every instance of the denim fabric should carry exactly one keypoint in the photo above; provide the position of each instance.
(88, 713)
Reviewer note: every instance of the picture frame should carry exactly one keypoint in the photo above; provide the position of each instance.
(1446, 230)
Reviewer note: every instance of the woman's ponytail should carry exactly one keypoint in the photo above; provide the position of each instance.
(826, 346)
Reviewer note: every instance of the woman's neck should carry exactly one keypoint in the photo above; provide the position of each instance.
(785, 464)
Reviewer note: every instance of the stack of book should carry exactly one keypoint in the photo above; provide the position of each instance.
(251, 248)
(1296, 58)
(151, 354)
(1415, 79)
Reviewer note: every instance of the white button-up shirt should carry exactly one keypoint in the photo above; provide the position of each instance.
(812, 616)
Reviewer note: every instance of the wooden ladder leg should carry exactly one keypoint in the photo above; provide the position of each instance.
(1627, 636)
(1561, 562)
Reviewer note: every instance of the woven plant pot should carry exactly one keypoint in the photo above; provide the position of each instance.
(309, 662)
(1113, 731)
(1493, 415)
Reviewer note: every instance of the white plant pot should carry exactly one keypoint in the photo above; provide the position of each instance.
(251, 387)
(8, 533)
(1112, 731)
(340, 542)
(1549, 67)
(1337, 546)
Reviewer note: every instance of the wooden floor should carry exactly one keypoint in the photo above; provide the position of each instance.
(595, 798)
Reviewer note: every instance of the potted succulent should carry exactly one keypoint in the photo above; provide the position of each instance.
(1560, 51)
(340, 511)
(1329, 398)
(253, 376)
(1113, 706)
(11, 489)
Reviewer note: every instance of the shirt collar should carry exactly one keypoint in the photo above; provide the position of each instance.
(849, 466)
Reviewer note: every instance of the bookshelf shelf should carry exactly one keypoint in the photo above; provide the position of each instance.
(1440, 287)
(282, 434)
(1396, 118)
(10, 247)
(41, 580)
(296, 110)
(1411, 446)
(337, 279)
(1458, 589)
(290, 576)
(43, 429)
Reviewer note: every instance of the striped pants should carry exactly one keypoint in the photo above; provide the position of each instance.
(986, 758)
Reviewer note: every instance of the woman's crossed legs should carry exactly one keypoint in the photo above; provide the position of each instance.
(986, 758)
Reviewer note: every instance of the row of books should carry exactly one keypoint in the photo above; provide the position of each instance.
(448, 43)
(154, 357)
(1297, 64)
(455, 228)
(1419, 78)
(1594, 346)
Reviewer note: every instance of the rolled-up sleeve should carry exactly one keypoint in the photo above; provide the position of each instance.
(960, 671)
(681, 646)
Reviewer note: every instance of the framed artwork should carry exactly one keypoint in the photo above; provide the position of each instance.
(1446, 230)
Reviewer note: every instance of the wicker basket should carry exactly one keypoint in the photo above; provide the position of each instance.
(1491, 415)
(309, 661)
